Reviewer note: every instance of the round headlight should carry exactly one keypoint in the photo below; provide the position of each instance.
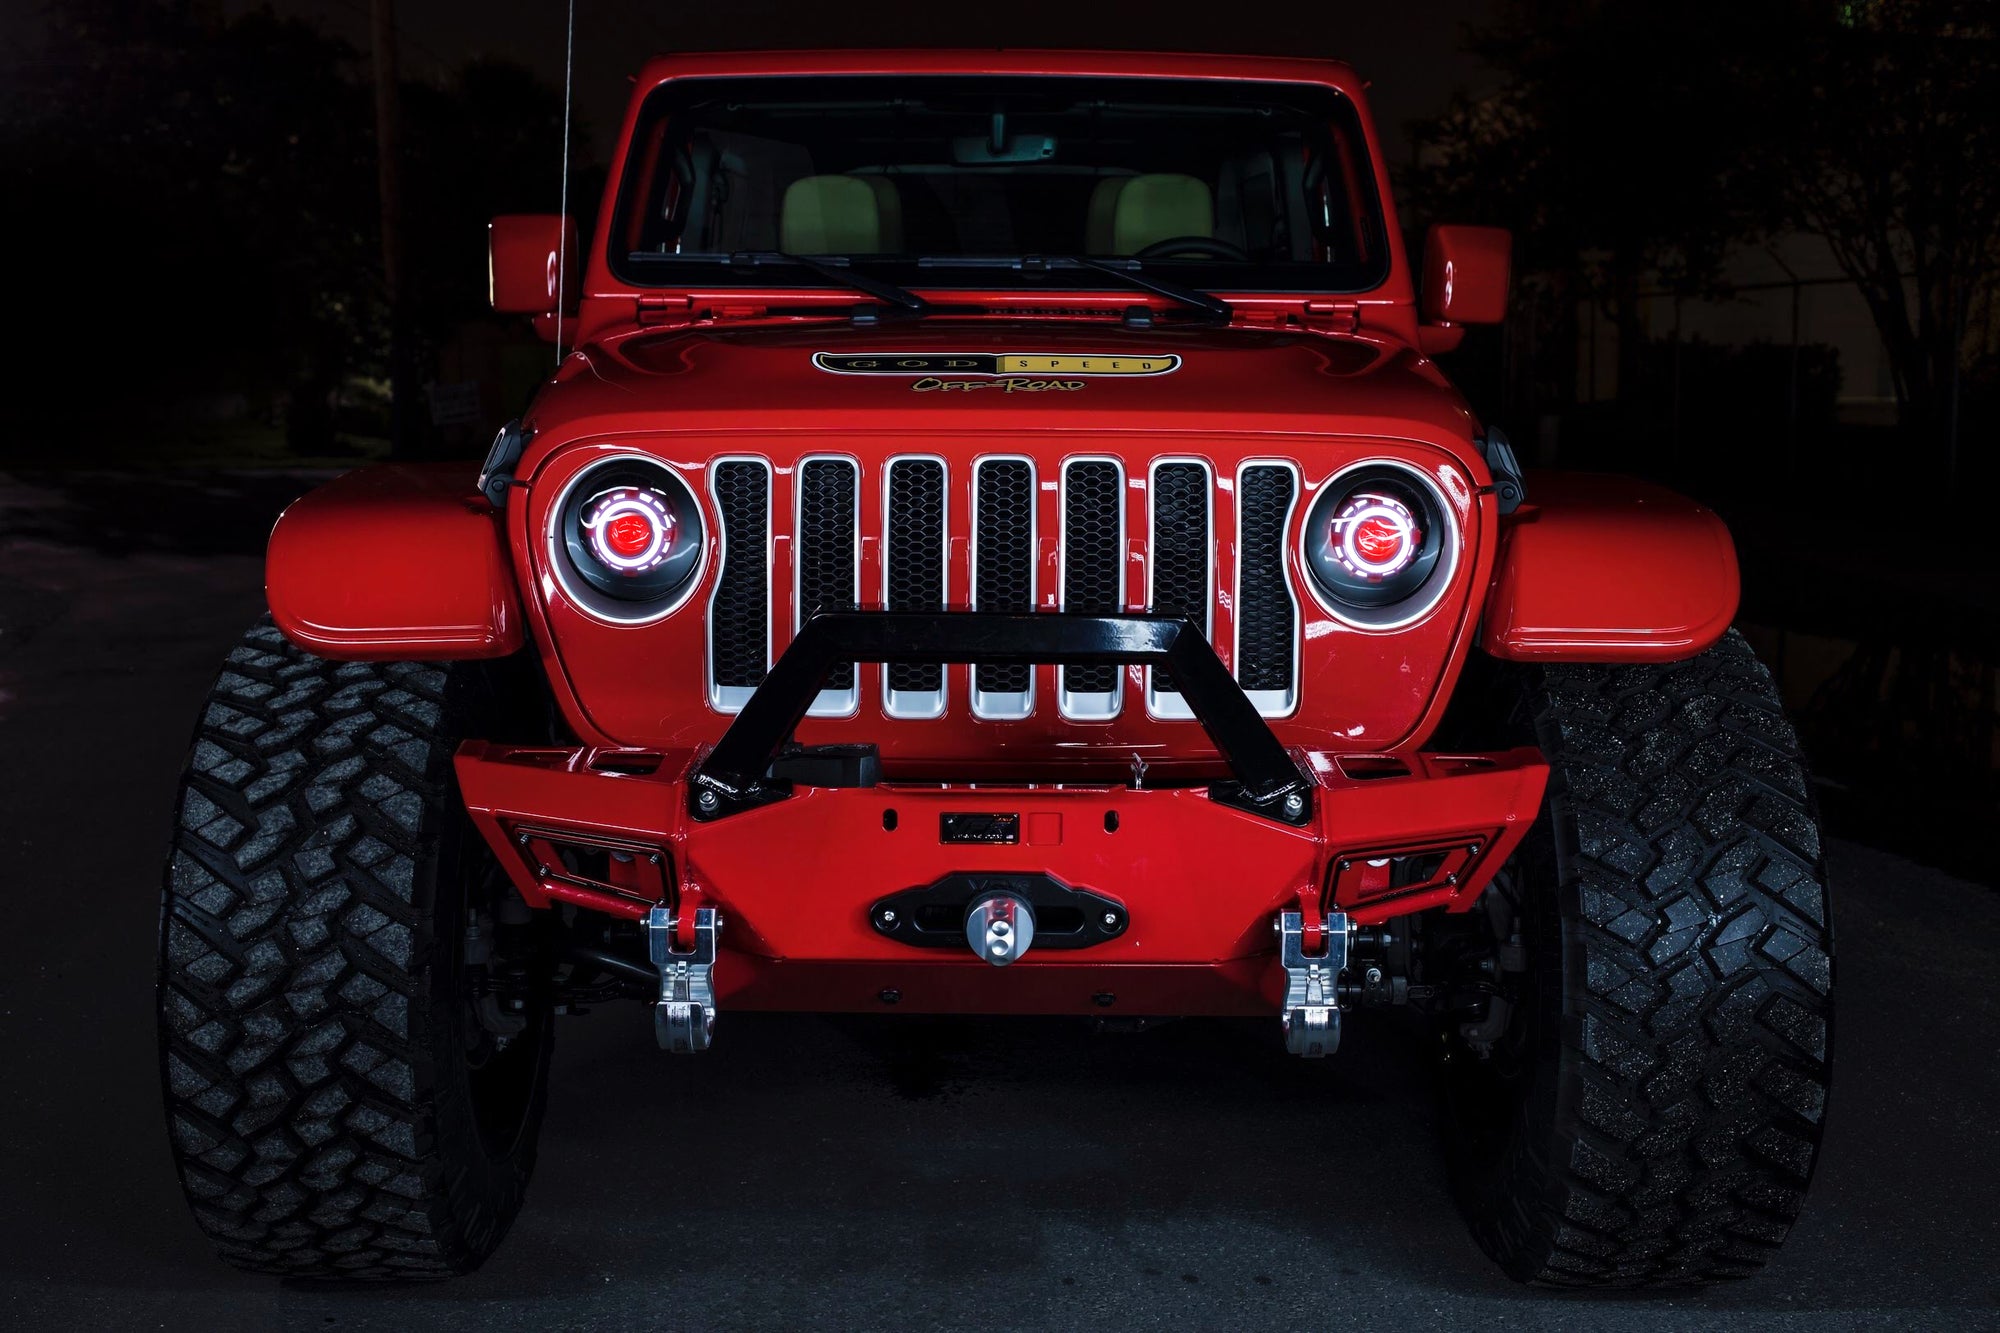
(1373, 538)
(631, 532)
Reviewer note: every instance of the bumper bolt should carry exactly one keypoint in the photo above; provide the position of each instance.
(1104, 999)
(1295, 805)
(889, 995)
(707, 802)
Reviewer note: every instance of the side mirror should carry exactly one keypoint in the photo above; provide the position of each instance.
(526, 253)
(1465, 281)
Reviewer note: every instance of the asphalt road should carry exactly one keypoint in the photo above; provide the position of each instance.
(879, 1173)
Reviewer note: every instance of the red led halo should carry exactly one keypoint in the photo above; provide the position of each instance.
(629, 529)
(1375, 536)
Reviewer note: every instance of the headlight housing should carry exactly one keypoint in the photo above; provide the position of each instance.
(1373, 541)
(628, 538)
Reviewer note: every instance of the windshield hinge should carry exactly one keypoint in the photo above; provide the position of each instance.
(662, 308)
(1331, 316)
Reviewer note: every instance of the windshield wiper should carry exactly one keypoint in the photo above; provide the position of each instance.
(834, 269)
(1127, 271)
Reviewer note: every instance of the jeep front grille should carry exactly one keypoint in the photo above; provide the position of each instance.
(829, 560)
(1093, 572)
(739, 614)
(916, 498)
(1003, 574)
(914, 552)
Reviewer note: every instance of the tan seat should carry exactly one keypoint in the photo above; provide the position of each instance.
(888, 207)
(830, 215)
(1099, 221)
(1160, 207)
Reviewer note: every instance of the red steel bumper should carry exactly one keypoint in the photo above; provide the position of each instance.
(1201, 881)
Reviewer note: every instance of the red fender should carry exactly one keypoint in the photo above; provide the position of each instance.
(402, 560)
(1609, 569)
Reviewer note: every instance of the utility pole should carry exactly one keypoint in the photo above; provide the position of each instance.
(388, 184)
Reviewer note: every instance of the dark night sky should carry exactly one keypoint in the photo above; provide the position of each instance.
(1410, 50)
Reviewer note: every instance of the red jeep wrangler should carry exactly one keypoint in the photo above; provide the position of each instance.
(998, 543)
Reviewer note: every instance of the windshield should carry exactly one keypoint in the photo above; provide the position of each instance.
(1229, 186)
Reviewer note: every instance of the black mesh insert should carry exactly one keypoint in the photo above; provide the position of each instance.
(1180, 547)
(739, 619)
(915, 552)
(1265, 617)
(1092, 561)
(1003, 575)
(827, 530)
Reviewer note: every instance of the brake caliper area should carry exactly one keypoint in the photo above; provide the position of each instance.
(1311, 1016)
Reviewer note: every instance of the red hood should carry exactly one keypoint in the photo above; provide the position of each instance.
(767, 378)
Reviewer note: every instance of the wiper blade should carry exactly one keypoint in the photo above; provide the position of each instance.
(834, 270)
(1128, 271)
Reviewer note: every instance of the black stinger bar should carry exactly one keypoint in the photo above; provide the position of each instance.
(735, 774)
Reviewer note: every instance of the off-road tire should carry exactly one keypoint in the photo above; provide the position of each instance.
(321, 1101)
(1653, 1112)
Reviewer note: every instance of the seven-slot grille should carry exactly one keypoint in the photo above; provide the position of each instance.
(915, 550)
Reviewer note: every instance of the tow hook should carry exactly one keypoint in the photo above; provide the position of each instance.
(1311, 1015)
(1000, 927)
(684, 1017)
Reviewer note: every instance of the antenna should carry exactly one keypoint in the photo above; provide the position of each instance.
(562, 207)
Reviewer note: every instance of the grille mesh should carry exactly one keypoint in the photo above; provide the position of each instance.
(1092, 560)
(827, 529)
(739, 620)
(1266, 620)
(1003, 569)
(915, 553)
(1180, 547)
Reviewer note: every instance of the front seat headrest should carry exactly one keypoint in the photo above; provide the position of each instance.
(1101, 218)
(888, 207)
(1159, 208)
(830, 215)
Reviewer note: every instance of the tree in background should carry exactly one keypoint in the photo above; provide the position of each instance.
(1881, 127)
(1631, 141)
(1612, 150)
(200, 189)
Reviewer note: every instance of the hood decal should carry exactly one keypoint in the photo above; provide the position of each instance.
(992, 363)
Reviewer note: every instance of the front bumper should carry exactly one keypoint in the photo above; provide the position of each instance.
(1200, 873)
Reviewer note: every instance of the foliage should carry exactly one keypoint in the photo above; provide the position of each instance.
(208, 181)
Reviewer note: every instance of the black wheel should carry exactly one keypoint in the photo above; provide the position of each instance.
(1643, 1103)
(354, 1006)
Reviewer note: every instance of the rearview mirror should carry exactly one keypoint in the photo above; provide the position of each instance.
(1465, 281)
(528, 255)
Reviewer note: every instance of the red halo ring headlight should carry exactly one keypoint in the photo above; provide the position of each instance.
(628, 538)
(1372, 542)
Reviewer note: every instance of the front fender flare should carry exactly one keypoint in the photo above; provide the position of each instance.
(391, 562)
(1609, 569)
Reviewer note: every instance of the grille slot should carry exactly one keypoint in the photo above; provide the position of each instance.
(1003, 573)
(829, 557)
(1266, 616)
(1179, 548)
(739, 615)
(913, 574)
(1093, 549)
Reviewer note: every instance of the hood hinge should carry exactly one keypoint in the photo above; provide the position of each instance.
(660, 307)
(1331, 316)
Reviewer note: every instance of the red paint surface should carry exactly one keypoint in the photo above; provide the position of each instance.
(1201, 881)
(394, 562)
(1609, 569)
(1466, 275)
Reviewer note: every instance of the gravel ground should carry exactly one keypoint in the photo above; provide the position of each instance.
(866, 1173)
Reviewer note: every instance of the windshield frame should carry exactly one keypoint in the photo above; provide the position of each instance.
(1304, 277)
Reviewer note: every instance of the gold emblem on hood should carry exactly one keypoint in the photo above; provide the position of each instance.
(960, 364)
